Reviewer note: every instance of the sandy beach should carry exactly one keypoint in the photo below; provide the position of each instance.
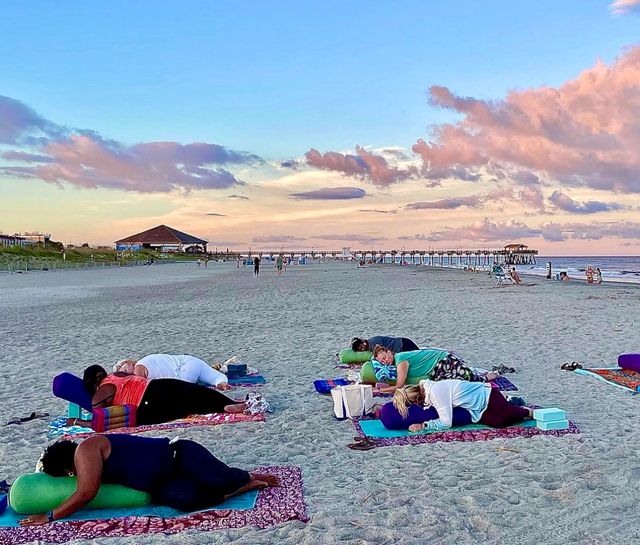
(577, 489)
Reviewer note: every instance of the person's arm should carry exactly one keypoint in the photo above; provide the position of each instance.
(441, 401)
(89, 463)
(402, 369)
(103, 396)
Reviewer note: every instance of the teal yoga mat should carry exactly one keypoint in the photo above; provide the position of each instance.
(242, 502)
(375, 429)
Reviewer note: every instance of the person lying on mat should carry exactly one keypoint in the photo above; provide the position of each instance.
(396, 344)
(428, 363)
(485, 404)
(183, 474)
(183, 367)
(157, 401)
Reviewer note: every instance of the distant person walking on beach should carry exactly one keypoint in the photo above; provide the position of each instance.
(597, 276)
(549, 270)
(515, 276)
(256, 266)
(279, 264)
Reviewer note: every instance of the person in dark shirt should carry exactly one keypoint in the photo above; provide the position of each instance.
(395, 344)
(181, 474)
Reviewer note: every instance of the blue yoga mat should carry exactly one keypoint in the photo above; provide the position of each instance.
(375, 429)
(241, 502)
(249, 379)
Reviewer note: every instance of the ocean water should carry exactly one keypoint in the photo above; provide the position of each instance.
(614, 268)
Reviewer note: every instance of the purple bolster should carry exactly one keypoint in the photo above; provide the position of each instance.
(70, 388)
(630, 362)
(392, 419)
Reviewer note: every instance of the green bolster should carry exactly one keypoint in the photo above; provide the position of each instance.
(347, 355)
(34, 493)
(367, 376)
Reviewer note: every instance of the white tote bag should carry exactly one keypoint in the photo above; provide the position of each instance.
(352, 401)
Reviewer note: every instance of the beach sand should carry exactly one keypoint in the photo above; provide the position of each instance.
(576, 489)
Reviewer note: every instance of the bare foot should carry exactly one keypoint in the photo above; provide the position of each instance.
(492, 376)
(235, 408)
(270, 480)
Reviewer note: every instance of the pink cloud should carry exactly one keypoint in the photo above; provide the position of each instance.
(82, 158)
(586, 132)
(509, 231)
(364, 164)
(331, 194)
(625, 6)
(567, 204)
(277, 238)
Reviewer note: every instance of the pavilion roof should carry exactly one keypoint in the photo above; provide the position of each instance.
(162, 234)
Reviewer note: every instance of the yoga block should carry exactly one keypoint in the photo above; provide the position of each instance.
(235, 370)
(549, 415)
(554, 425)
(74, 411)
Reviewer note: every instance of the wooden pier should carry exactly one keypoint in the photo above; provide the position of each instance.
(513, 254)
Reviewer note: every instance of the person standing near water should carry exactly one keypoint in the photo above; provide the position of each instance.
(279, 264)
(256, 266)
(549, 270)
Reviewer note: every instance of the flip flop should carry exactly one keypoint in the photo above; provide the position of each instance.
(33, 416)
(361, 446)
(359, 439)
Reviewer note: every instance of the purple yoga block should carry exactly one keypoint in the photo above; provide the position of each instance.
(630, 362)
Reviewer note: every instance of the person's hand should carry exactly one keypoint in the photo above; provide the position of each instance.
(223, 386)
(71, 421)
(34, 520)
(416, 427)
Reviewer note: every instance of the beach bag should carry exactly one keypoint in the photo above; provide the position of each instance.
(353, 401)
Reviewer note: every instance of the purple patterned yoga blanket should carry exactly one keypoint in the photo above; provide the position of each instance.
(273, 506)
(453, 435)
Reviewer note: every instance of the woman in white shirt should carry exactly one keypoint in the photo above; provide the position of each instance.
(182, 367)
(485, 404)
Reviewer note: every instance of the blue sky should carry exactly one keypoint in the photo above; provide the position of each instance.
(122, 115)
(258, 75)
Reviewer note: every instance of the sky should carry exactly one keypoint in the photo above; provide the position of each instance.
(317, 125)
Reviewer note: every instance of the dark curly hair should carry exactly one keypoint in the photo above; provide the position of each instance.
(92, 377)
(57, 459)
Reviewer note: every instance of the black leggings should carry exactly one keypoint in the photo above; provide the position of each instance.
(167, 399)
(198, 479)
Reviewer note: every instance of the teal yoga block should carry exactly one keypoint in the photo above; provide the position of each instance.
(554, 425)
(549, 415)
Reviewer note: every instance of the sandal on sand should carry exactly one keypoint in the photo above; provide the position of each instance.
(33, 416)
(571, 366)
(362, 445)
(360, 439)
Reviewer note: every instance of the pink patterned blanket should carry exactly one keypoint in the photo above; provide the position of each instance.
(273, 506)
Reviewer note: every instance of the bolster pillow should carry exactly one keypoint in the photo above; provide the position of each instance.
(33, 493)
(70, 388)
(347, 355)
(393, 420)
(111, 418)
(630, 362)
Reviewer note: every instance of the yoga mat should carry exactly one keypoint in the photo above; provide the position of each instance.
(383, 437)
(375, 429)
(504, 384)
(272, 506)
(244, 501)
(249, 380)
(57, 427)
(616, 376)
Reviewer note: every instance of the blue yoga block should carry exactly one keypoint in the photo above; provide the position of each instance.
(555, 425)
(549, 415)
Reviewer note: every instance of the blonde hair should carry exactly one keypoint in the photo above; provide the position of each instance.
(406, 396)
(379, 348)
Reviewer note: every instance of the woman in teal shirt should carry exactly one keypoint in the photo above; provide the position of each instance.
(416, 365)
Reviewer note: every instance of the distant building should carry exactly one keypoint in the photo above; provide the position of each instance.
(36, 236)
(164, 239)
(15, 240)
